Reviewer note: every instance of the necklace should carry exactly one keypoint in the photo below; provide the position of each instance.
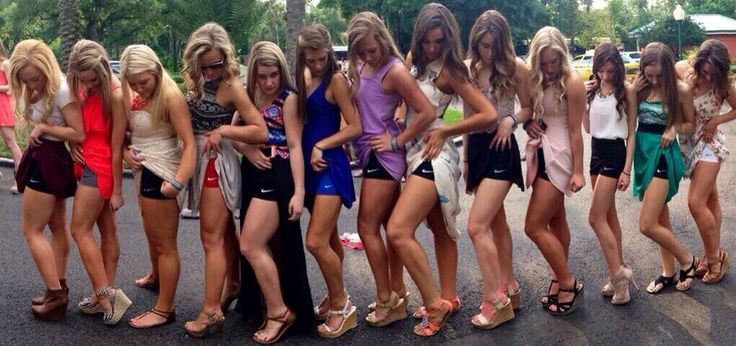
(138, 102)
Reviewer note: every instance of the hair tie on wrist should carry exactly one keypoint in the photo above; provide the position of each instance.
(318, 147)
(176, 184)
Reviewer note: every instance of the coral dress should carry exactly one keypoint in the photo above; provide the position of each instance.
(6, 106)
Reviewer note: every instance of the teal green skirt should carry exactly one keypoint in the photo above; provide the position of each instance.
(647, 154)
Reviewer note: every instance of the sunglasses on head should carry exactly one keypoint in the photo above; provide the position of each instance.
(213, 66)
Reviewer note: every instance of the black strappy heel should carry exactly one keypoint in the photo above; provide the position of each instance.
(686, 274)
(549, 298)
(566, 308)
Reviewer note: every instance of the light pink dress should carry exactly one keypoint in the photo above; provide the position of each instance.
(555, 143)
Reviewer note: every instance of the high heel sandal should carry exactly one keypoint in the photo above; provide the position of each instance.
(702, 267)
(660, 284)
(119, 304)
(87, 306)
(620, 282)
(198, 329)
(429, 328)
(513, 292)
(566, 308)
(421, 312)
(323, 316)
(550, 298)
(286, 320)
(169, 317)
(405, 297)
(493, 313)
(396, 311)
(716, 275)
(687, 274)
(349, 321)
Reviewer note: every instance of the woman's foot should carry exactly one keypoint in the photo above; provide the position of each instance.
(434, 319)
(621, 281)
(274, 327)
(387, 312)
(687, 275)
(153, 318)
(567, 299)
(494, 313)
(716, 271)
(702, 267)
(420, 312)
(90, 306)
(204, 322)
(552, 290)
(662, 282)
(149, 281)
(339, 322)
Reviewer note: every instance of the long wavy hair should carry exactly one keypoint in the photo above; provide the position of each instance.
(430, 17)
(659, 53)
(266, 53)
(85, 56)
(606, 52)
(312, 37)
(363, 25)
(205, 38)
(550, 38)
(139, 58)
(38, 54)
(503, 68)
(713, 52)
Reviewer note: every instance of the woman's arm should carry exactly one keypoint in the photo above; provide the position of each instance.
(631, 113)
(179, 116)
(575, 95)
(293, 127)
(344, 100)
(688, 109)
(255, 130)
(399, 80)
(72, 132)
(119, 126)
(709, 128)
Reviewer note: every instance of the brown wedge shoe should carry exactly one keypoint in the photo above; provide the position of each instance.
(53, 307)
(716, 271)
(39, 299)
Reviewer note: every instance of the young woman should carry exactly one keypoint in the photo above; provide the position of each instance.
(7, 118)
(215, 94)
(324, 94)
(665, 108)
(554, 155)
(271, 238)
(708, 73)
(158, 119)
(380, 81)
(492, 162)
(100, 187)
(611, 119)
(431, 192)
(45, 174)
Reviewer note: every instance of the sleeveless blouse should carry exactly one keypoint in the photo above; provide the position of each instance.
(446, 165)
(273, 114)
(323, 120)
(96, 148)
(706, 107)
(605, 120)
(504, 106)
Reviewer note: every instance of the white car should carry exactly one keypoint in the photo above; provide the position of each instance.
(633, 55)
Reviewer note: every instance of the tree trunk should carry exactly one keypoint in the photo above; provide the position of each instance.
(294, 20)
(68, 28)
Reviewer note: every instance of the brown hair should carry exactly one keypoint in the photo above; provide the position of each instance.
(605, 52)
(312, 37)
(713, 52)
(266, 53)
(659, 53)
(363, 25)
(431, 16)
(503, 68)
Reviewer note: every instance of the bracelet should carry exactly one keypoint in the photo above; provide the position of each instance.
(318, 147)
(176, 184)
(526, 124)
(516, 121)
(394, 144)
(627, 173)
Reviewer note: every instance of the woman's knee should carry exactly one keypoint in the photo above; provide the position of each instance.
(696, 204)
(477, 231)
(315, 245)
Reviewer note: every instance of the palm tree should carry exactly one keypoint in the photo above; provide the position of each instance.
(294, 20)
(68, 28)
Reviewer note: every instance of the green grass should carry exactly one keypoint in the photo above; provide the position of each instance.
(452, 116)
(20, 137)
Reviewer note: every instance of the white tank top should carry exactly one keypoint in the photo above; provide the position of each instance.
(605, 122)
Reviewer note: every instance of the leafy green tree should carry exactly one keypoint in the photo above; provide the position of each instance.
(68, 28)
(664, 29)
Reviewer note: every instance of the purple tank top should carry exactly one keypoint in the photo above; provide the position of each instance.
(376, 109)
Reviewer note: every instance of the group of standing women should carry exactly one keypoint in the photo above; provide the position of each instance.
(291, 138)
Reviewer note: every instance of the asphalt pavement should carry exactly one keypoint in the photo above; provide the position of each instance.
(704, 315)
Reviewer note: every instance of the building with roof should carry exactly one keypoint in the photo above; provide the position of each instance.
(716, 26)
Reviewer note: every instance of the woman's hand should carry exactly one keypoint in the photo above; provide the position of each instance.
(623, 182)
(116, 202)
(76, 150)
(533, 130)
(381, 143)
(318, 163)
(708, 130)
(577, 182)
(34, 138)
(212, 142)
(256, 157)
(434, 139)
(590, 85)
(502, 138)
(296, 207)
(668, 136)
(132, 159)
(640, 82)
(168, 190)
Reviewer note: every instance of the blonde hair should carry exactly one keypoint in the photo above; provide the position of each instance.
(266, 53)
(503, 67)
(89, 55)
(363, 25)
(139, 58)
(38, 54)
(547, 37)
(313, 37)
(205, 38)
(431, 16)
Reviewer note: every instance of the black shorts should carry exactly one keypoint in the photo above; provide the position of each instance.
(151, 184)
(35, 180)
(541, 167)
(265, 188)
(88, 177)
(425, 170)
(661, 170)
(608, 157)
(487, 162)
(374, 170)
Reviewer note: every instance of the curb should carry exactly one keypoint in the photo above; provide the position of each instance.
(8, 163)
